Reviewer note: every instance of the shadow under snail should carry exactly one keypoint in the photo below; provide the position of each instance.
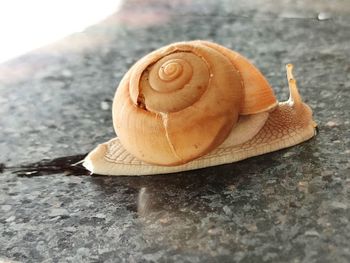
(197, 104)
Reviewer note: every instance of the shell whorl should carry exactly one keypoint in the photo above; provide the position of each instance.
(172, 70)
(174, 82)
(177, 103)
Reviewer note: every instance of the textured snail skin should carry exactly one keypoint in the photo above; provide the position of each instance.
(197, 104)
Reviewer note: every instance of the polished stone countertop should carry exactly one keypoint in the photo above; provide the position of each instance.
(287, 206)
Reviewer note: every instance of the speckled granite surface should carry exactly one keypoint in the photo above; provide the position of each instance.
(288, 206)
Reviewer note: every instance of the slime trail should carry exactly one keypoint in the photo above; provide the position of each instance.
(69, 165)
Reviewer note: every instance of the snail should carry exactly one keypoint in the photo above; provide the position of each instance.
(197, 104)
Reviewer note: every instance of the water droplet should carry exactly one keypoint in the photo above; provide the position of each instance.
(324, 16)
(104, 105)
(66, 73)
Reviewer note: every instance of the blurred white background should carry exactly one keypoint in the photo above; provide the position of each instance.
(26, 25)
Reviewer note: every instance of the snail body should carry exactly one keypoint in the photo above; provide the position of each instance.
(196, 104)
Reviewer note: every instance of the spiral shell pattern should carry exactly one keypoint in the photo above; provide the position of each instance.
(170, 86)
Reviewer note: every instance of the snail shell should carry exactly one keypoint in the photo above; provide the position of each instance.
(180, 102)
(179, 106)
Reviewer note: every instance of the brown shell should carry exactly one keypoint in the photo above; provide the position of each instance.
(181, 101)
(258, 94)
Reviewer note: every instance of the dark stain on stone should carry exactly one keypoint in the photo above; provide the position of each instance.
(69, 165)
(2, 167)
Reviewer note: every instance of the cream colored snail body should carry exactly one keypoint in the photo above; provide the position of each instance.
(197, 104)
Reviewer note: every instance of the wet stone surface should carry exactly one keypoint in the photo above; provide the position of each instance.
(288, 206)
